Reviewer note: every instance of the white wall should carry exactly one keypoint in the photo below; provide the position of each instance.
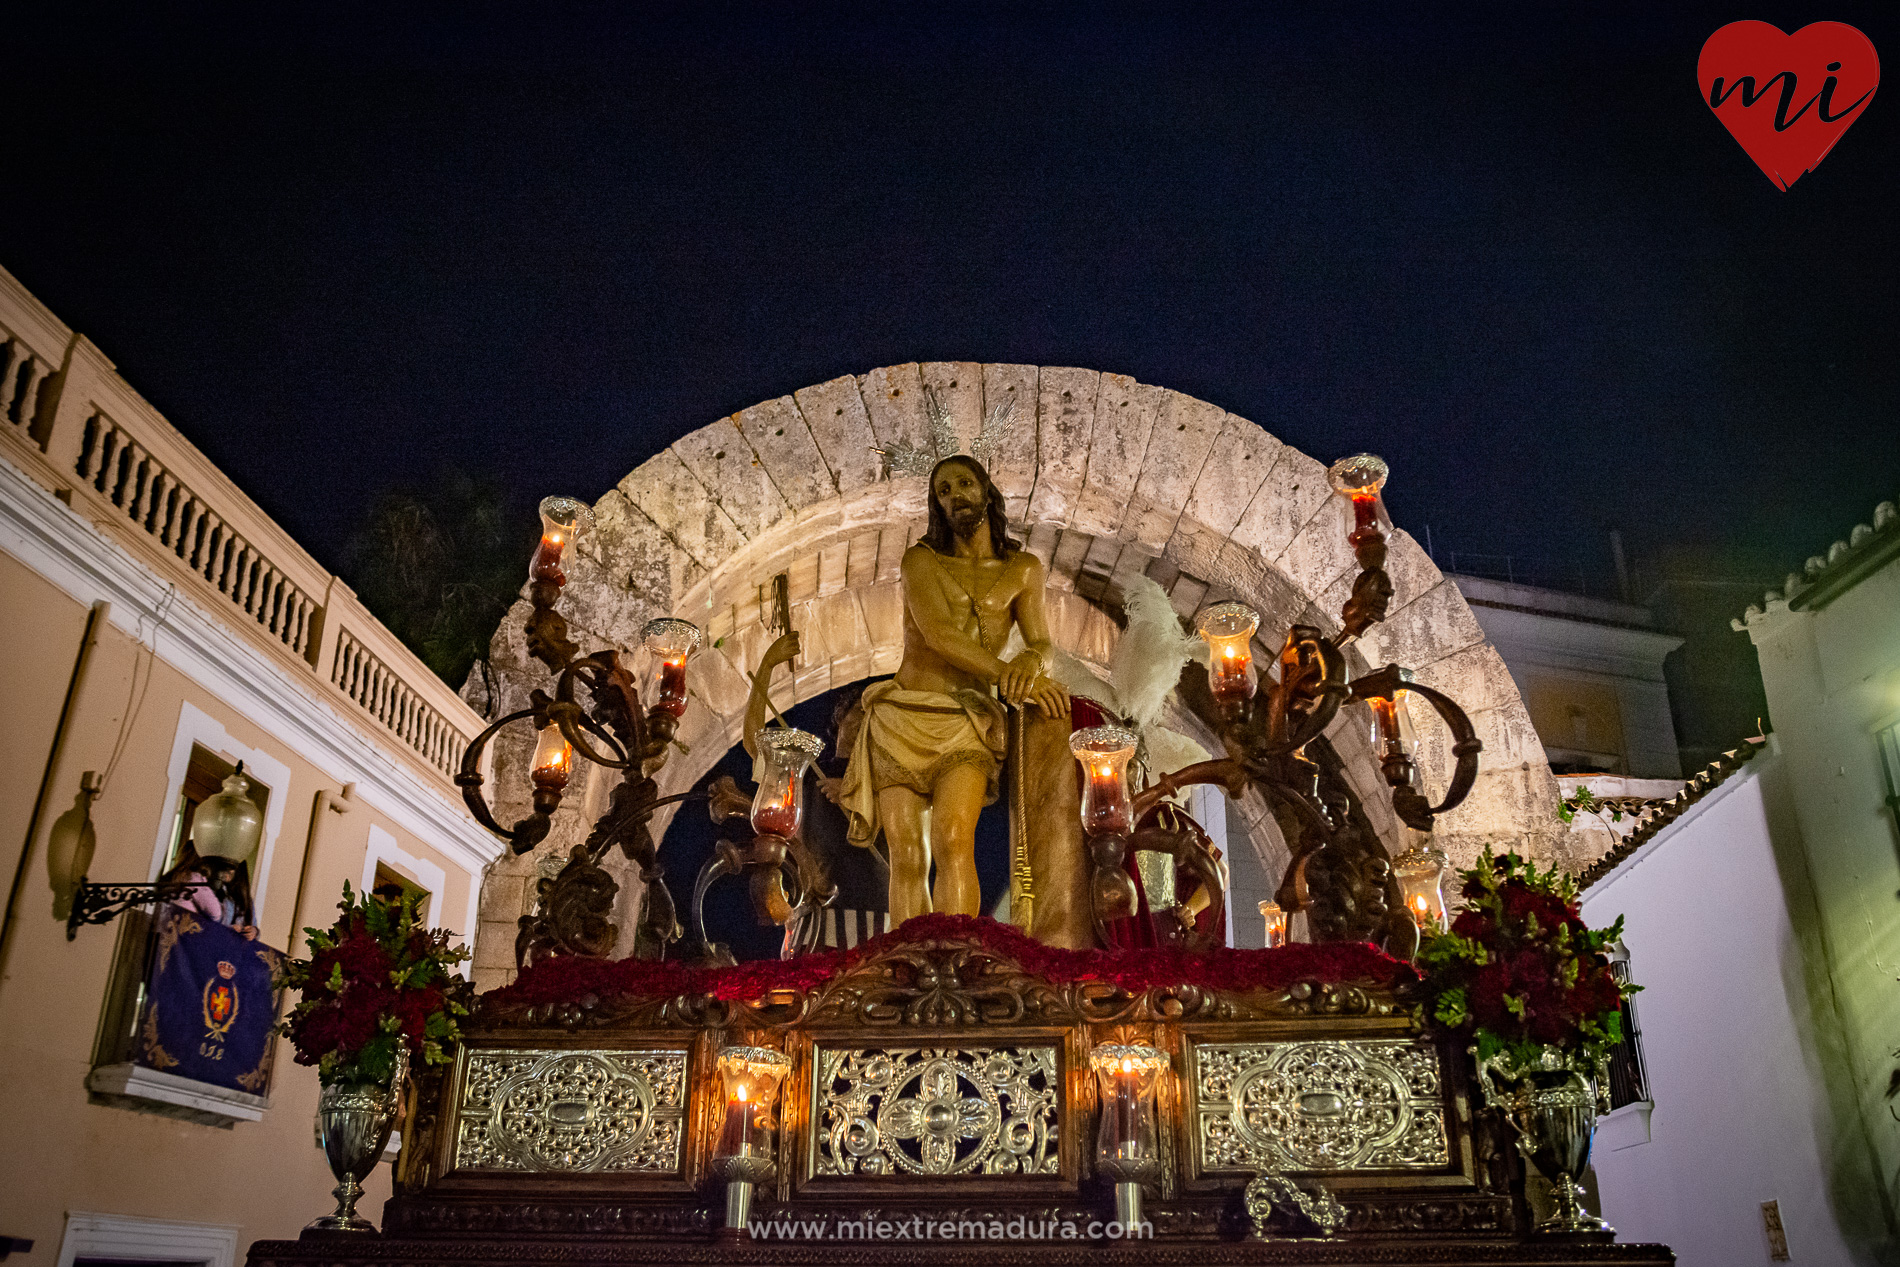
(1728, 1038)
(1832, 678)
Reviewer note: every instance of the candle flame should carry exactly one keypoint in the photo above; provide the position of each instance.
(742, 1092)
(555, 762)
(1128, 1065)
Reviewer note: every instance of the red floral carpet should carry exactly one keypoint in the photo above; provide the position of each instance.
(568, 979)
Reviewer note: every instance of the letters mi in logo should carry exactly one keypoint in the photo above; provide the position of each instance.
(1787, 98)
(220, 1002)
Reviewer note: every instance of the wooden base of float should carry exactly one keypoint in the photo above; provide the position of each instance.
(940, 1083)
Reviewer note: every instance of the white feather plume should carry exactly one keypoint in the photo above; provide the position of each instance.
(1142, 673)
(1148, 658)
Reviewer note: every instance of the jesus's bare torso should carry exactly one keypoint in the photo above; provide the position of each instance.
(978, 594)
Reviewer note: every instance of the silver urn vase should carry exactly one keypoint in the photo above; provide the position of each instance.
(1552, 1104)
(354, 1120)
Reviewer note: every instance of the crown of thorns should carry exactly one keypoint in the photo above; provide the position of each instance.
(904, 458)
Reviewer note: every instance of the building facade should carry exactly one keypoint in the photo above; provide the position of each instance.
(156, 629)
(1590, 672)
(1763, 921)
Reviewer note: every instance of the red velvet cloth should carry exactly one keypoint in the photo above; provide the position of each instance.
(569, 980)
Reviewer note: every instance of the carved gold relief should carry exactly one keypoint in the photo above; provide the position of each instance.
(564, 1111)
(1319, 1106)
(936, 1111)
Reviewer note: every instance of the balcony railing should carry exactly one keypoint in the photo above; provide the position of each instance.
(78, 429)
(158, 503)
(382, 693)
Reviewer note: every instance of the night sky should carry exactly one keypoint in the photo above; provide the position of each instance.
(1524, 262)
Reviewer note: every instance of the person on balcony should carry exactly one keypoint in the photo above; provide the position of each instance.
(221, 892)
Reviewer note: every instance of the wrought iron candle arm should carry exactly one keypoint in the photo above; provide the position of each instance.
(1400, 770)
(613, 731)
(764, 861)
(1265, 735)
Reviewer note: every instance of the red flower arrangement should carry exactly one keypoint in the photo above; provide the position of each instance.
(1519, 971)
(374, 980)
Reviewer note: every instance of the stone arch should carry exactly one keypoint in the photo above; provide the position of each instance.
(1104, 476)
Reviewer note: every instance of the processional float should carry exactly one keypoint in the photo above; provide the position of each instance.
(1181, 1102)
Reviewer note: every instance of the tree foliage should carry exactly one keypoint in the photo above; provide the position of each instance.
(440, 565)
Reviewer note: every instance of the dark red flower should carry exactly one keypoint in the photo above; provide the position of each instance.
(1548, 1025)
(1485, 998)
(1519, 902)
(1552, 912)
(1595, 993)
(1473, 925)
(363, 956)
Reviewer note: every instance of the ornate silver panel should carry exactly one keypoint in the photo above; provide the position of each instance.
(568, 1111)
(1332, 1105)
(936, 1111)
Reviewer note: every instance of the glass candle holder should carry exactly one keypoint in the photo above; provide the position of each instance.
(1359, 479)
(1394, 741)
(1275, 919)
(1229, 629)
(1104, 752)
(744, 1154)
(672, 643)
(1420, 872)
(778, 807)
(563, 521)
(1126, 1153)
(750, 1077)
(553, 760)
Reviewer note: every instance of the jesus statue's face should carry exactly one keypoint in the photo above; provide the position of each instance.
(961, 494)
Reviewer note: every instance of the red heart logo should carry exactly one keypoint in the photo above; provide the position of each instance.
(1787, 98)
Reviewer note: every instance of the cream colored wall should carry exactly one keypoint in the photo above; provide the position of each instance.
(67, 1154)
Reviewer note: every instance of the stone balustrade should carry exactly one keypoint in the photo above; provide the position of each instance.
(379, 689)
(74, 426)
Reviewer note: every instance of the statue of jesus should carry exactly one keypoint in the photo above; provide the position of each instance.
(928, 755)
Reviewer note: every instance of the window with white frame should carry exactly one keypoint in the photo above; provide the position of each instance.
(119, 1239)
(205, 772)
(203, 755)
(387, 866)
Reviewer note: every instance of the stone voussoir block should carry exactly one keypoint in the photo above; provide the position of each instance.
(723, 459)
(1065, 423)
(787, 450)
(841, 428)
